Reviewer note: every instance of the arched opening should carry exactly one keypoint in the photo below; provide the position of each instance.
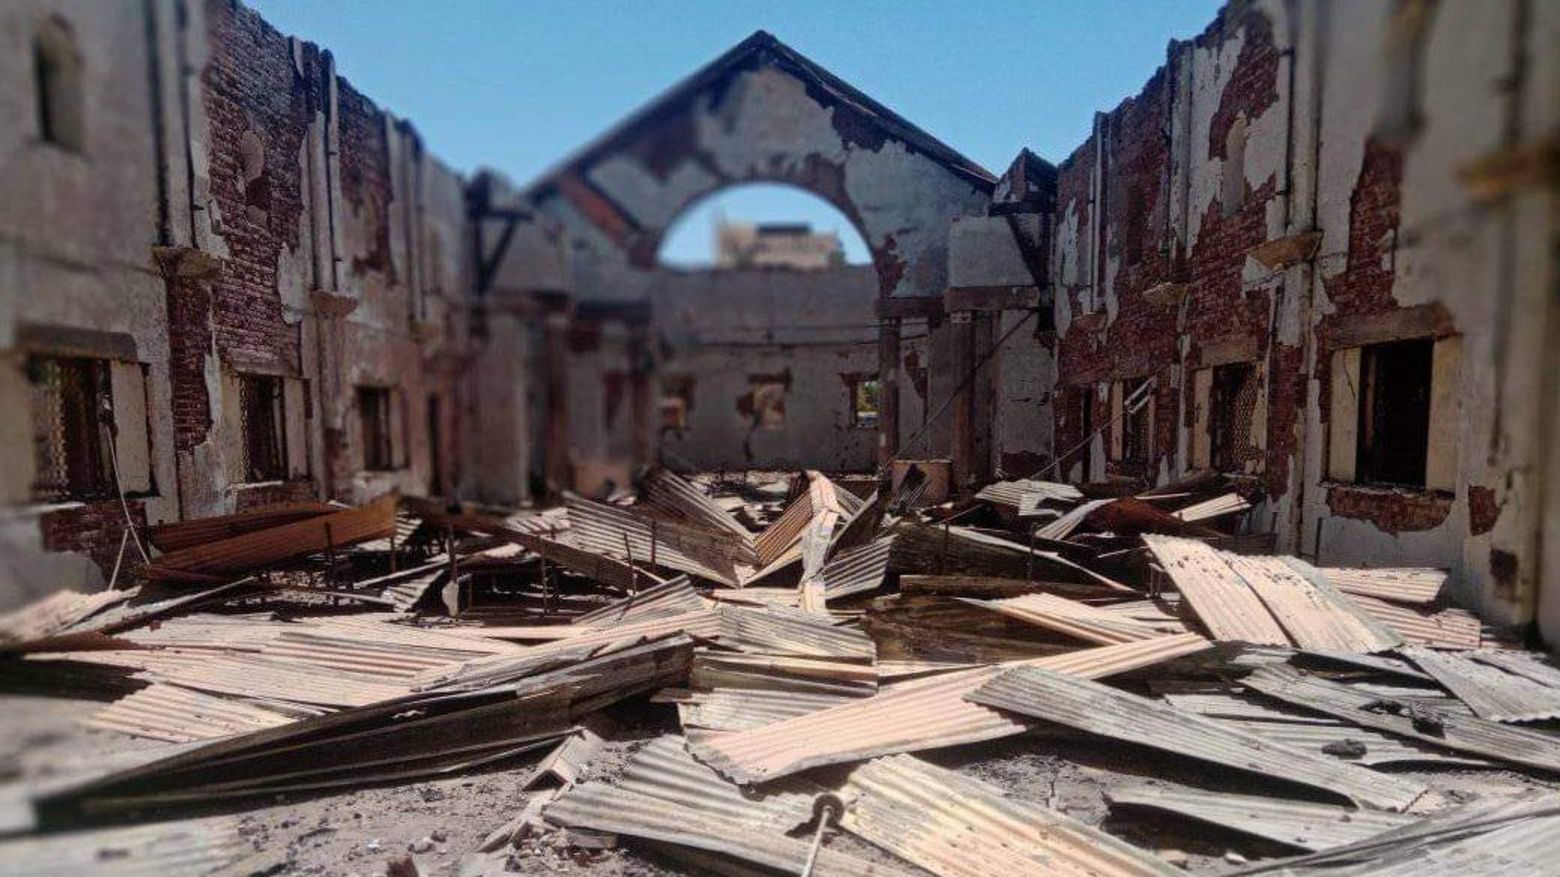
(762, 225)
(764, 298)
(57, 84)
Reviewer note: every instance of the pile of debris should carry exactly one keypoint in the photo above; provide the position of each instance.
(818, 647)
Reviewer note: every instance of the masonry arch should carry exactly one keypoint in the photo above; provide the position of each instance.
(723, 230)
(760, 113)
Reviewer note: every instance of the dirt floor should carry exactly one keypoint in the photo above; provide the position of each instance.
(442, 823)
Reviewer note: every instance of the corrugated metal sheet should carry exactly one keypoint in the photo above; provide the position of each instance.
(568, 760)
(1099, 709)
(739, 709)
(1219, 596)
(1488, 690)
(615, 532)
(857, 570)
(1013, 493)
(681, 500)
(1460, 733)
(733, 670)
(179, 715)
(1503, 837)
(661, 601)
(258, 677)
(705, 623)
(1535, 666)
(1440, 629)
(54, 613)
(955, 826)
(1063, 526)
(1215, 507)
(1313, 614)
(1077, 620)
(1302, 824)
(1379, 748)
(166, 849)
(917, 715)
(780, 631)
(664, 795)
(1400, 585)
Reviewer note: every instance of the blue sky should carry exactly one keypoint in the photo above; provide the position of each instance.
(517, 84)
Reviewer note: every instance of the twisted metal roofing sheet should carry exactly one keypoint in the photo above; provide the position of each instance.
(1315, 615)
(956, 826)
(1075, 619)
(179, 715)
(1099, 709)
(1439, 629)
(166, 849)
(738, 709)
(1490, 691)
(1400, 585)
(1303, 824)
(1378, 748)
(618, 533)
(661, 601)
(917, 715)
(858, 569)
(1502, 837)
(1452, 731)
(665, 795)
(1222, 599)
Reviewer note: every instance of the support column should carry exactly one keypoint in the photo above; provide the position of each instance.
(962, 361)
(555, 373)
(888, 391)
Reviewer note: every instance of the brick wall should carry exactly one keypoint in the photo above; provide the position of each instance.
(94, 529)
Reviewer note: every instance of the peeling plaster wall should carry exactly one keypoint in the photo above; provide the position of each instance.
(814, 330)
(236, 209)
(1485, 265)
(76, 230)
(1278, 120)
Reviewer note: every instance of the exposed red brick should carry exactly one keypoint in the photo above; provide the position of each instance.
(1253, 84)
(1483, 511)
(1392, 511)
(272, 494)
(94, 529)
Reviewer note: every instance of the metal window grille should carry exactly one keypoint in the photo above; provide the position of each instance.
(72, 408)
(263, 411)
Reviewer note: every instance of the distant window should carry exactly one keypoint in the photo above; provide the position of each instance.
(864, 395)
(1394, 425)
(57, 80)
(768, 398)
(72, 400)
(676, 400)
(374, 409)
(262, 406)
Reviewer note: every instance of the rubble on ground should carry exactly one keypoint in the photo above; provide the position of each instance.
(745, 673)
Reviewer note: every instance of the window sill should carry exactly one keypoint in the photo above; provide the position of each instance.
(1388, 490)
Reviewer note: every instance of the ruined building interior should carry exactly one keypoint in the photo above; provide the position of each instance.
(1317, 256)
